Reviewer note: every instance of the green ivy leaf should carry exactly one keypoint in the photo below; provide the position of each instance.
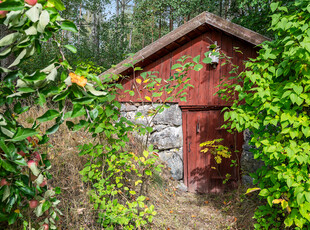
(6, 193)
(264, 192)
(274, 6)
(43, 21)
(196, 59)
(9, 39)
(7, 166)
(23, 133)
(57, 4)
(12, 5)
(95, 92)
(298, 89)
(49, 115)
(198, 67)
(28, 191)
(34, 12)
(13, 217)
(68, 25)
(34, 169)
(19, 58)
(53, 129)
(38, 210)
(176, 66)
(71, 48)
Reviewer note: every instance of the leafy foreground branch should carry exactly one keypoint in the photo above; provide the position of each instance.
(118, 178)
(273, 103)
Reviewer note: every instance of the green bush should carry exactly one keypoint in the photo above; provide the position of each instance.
(273, 103)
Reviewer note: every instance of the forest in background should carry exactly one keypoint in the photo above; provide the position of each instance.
(108, 30)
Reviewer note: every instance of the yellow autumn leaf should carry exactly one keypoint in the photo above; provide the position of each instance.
(146, 81)
(178, 70)
(138, 80)
(17, 211)
(79, 80)
(142, 159)
(148, 98)
(277, 201)
(138, 182)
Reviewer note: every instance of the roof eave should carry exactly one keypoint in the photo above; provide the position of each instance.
(204, 18)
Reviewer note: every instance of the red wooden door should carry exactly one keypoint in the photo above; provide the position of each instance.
(200, 174)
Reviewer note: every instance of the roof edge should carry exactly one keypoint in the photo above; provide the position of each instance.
(203, 18)
(235, 29)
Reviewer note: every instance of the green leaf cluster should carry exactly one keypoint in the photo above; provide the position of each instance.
(273, 103)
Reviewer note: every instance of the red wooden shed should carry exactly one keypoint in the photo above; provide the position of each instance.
(201, 113)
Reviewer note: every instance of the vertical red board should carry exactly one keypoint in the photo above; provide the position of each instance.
(123, 97)
(215, 72)
(165, 72)
(193, 93)
(204, 80)
(144, 92)
(227, 49)
(193, 176)
(185, 51)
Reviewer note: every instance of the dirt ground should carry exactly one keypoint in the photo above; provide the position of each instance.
(176, 210)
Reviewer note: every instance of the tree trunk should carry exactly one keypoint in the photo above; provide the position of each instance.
(117, 8)
(159, 27)
(221, 7)
(95, 33)
(171, 20)
(80, 15)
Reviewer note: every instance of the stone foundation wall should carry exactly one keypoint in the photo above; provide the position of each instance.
(167, 135)
(248, 163)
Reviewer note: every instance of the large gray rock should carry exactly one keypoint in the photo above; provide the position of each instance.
(166, 154)
(247, 180)
(170, 116)
(158, 128)
(175, 163)
(126, 107)
(248, 163)
(182, 187)
(145, 120)
(168, 138)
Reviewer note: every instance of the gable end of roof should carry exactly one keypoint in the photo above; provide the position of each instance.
(199, 21)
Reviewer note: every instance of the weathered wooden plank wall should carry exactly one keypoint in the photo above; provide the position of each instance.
(204, 81)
